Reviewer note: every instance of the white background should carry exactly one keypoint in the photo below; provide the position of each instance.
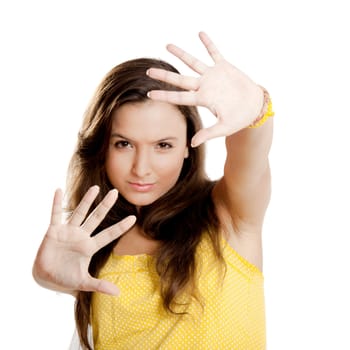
(53, 55)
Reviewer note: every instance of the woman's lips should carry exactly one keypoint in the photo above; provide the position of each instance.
(141, 187)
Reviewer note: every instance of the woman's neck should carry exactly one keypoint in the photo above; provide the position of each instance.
(135, 242)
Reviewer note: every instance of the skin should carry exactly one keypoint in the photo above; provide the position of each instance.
(241, 196)
(147, 149)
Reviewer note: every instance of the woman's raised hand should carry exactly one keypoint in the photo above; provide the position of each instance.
(227, 92)
(64, 255)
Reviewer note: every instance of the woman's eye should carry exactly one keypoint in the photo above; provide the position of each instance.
(122, 144)
(164, 145)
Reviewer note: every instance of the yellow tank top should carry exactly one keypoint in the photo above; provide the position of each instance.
(230, 314)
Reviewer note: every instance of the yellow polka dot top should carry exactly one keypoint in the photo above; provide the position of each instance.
(228, 313)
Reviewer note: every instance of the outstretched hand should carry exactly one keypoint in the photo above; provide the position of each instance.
(64, 256)
(227, 92)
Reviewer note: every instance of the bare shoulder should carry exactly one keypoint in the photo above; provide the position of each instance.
(244, 238)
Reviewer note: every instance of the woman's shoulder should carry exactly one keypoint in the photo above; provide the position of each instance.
(207, 256)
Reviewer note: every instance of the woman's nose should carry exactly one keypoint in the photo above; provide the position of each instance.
(141, 166)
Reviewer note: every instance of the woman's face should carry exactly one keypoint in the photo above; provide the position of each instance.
(147, 148)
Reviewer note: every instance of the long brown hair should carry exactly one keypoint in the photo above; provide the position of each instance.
(177, 219)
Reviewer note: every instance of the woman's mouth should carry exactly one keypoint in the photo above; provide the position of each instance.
(141, 187)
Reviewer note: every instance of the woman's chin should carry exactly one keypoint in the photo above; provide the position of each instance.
(140, 200)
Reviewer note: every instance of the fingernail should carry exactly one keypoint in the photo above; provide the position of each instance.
(147, 71)
(113, 193)
(130, 220)
(149, 94)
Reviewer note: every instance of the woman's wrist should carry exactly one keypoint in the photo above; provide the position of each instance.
(265, 113)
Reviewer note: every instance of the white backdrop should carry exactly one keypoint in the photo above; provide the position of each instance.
(53, 55)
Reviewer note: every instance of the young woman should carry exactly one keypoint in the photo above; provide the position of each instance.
(184, 251)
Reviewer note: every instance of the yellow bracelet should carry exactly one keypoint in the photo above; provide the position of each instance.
(265, 113)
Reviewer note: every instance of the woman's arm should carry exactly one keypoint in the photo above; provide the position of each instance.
(245, 187)
(242, 195)
(237, 102)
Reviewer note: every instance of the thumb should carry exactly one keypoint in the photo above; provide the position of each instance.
(113, 232)
(102, 286)
(206, 134)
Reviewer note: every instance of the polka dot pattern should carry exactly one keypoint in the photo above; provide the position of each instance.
(229, 314)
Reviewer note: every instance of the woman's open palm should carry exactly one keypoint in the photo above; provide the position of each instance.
(65, 253)
(227, 92)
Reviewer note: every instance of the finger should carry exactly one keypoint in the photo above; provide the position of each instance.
(206, 134)
(182, 98)
(56, 212)
(211, 48)
(192, 62)
(82, 209)
(101, 286)
(187, 83)
(113, 232)
(99, 213)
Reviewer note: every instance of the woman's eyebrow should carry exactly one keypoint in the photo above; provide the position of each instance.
(169, 138)
(119, 136)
